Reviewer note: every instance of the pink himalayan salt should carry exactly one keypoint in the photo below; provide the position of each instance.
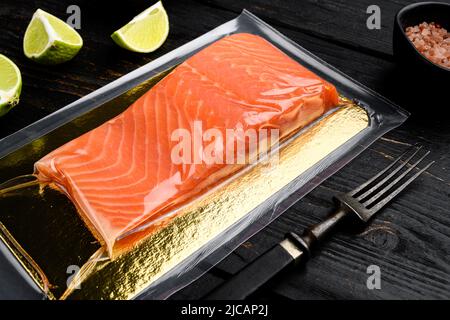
(432, 41)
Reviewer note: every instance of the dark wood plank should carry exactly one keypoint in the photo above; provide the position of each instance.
(395, 240)
(402, 240)
(49, 88)
(342, 21)
(409, 240)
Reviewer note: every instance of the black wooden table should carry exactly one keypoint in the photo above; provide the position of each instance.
(409, 241)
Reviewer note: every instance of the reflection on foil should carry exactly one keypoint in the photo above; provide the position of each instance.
(169, 243)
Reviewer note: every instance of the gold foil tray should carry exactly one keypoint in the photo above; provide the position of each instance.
(47, 235)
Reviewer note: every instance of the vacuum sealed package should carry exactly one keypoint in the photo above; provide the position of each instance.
(140, 187)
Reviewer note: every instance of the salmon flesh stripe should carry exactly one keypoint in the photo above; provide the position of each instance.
(121, 175)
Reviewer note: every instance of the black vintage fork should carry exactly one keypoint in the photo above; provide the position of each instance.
(356, 206)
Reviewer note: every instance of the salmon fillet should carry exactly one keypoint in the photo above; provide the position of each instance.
(121, 175)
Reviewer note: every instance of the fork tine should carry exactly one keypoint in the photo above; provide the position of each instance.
(385, 179)
(394, 182)
(383, 202)
(367, 183)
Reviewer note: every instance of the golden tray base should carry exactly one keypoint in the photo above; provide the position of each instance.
(172, 241)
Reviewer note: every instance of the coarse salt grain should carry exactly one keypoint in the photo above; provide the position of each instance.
(432, 41)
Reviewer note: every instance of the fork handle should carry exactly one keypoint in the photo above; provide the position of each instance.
(316, 233)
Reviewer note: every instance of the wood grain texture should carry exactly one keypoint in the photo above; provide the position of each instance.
(49, 88)
(338, 21)
(409, 240)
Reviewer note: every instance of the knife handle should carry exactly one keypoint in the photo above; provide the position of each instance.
(257, 273)
(292, 249)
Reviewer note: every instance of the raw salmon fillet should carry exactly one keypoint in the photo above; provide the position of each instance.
(121, 175)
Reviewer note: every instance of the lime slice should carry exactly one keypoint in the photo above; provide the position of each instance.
(49, 40)
(146, 32)
(10, 84)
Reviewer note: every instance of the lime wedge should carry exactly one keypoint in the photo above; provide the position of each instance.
(49, 40)
(10, 84)
(146, 32)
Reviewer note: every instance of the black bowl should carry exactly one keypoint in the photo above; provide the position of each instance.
(404, 50)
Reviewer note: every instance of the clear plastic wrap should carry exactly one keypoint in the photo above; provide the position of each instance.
(183, 222)
(196, 128)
